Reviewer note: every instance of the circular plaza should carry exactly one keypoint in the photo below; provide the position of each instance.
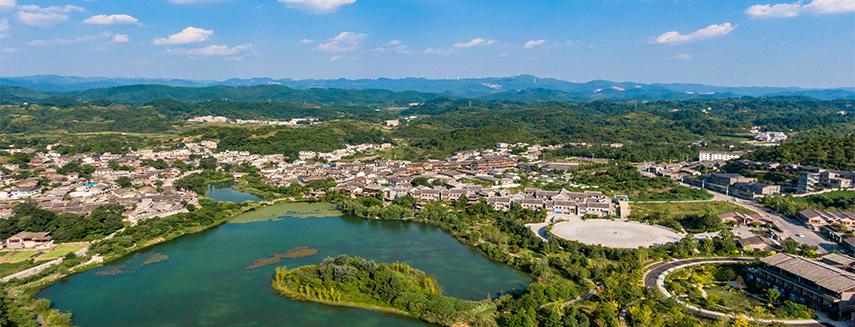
(614, 234)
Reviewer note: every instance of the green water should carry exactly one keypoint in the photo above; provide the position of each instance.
(223, 191)
(203, 282)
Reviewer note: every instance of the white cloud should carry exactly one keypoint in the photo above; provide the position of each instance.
(111, 19)
(473, 43)
(317, 6)
(213, 50)
(779, 10)
(58, 42)
(336, 57)
(784, 10)
(830, 6)
(346, 41)
(192, 1)
(120, 38)
(10, 50)
(306, 41)
(4, 26)
(393, 42)
(701, 34)
(439, 51)
(188, 35)
(7, 3)
(33, 15)
(533, 43)
(683, 56)
(378, 49)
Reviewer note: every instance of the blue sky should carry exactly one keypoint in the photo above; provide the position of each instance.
(730, 43)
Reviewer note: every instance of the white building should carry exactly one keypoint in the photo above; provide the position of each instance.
(719, 155)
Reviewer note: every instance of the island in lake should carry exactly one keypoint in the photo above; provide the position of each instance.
(385, 287)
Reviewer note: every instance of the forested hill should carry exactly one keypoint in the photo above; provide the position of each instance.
(837, 153)
(139, 94)
(634, 131)
(482, 88)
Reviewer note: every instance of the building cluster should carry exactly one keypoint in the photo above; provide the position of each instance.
(812, 178)
(817, 219)
(220, 119)
(770, 137)
(340, 153)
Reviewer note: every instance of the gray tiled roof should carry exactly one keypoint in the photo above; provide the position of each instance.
(824, 275)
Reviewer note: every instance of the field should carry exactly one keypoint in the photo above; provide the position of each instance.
(684, 209)
(61, 252)
(21, 256)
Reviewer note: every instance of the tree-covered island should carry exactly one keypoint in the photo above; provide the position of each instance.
(385, 287)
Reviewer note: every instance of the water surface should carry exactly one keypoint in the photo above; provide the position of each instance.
(223, 191)
(203, 281)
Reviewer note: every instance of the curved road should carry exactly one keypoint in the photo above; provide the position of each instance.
(658, 271)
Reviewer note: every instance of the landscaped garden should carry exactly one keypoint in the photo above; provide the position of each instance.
(723, 288)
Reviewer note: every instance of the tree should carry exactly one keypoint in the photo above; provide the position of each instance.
(461, 202)
(124, 181)
(208, 163)
(773, 295)
(420, 181)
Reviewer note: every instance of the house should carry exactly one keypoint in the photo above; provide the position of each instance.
(817, 219)
(28, 240)
(741, 218)
(755, 243)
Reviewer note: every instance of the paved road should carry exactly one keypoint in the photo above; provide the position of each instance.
(656, 271)
(790, 227)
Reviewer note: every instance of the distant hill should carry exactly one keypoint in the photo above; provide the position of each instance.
(515, 87)
(139, 94)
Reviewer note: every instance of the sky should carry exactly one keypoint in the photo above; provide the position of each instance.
(808, 43)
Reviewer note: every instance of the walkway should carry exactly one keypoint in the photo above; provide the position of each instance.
(655, 279)
(585, 296)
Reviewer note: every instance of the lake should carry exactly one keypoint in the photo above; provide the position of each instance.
(201, 280)
(223, 191)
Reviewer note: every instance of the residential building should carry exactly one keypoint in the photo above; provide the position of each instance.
(807, 181)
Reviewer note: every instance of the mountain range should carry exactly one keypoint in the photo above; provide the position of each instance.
(516, 88)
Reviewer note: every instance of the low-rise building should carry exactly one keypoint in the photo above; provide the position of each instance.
(821, 286)
(719, 155)
(28, 240)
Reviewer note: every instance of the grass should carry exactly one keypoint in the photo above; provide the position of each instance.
(23, 255)
(734, 300)
(684, 209)
(62, 251)
(11, 268)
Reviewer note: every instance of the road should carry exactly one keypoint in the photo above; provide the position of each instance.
(790, 227)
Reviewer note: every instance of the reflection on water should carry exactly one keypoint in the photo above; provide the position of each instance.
(223, 191)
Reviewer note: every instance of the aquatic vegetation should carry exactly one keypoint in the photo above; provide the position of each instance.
(295, 252)
(298, 210)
